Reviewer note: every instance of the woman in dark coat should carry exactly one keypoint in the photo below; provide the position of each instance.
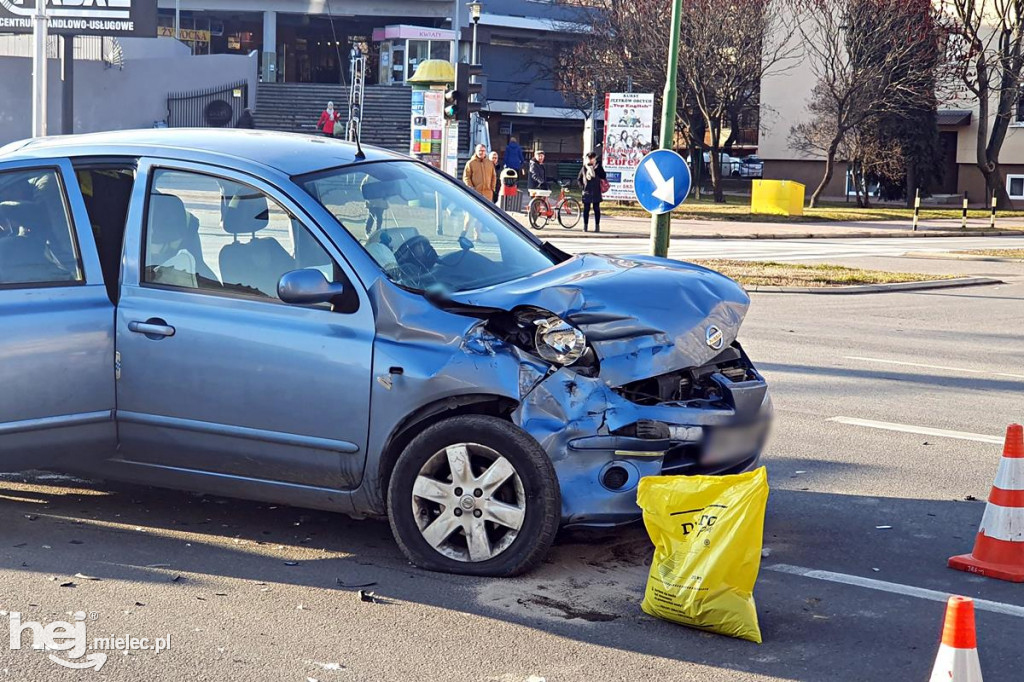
(590, 178)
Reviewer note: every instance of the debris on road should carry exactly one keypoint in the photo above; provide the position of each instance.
(291, 563)
(82, 576)
(882, 527)
(970, 498)
(353, 586)
(368, 597)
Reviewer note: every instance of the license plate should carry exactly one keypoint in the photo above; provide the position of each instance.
(725, 444)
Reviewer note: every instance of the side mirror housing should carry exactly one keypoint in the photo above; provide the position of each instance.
(308, 286)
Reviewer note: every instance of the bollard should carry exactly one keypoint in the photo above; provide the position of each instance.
(992, 217)
(963, 216)
(917, 207)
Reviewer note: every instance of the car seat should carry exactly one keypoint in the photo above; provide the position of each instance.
(167, 260)
(25, 252)
(259, 262)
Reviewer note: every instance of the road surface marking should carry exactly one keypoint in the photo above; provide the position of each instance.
(951, 369)
(921, 430)
(894, 588)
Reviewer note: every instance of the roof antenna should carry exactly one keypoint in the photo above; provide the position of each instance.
(359, 148)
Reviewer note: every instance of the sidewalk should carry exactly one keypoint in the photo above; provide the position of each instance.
(619, 226)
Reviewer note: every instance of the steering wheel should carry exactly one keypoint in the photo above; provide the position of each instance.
(416, 257)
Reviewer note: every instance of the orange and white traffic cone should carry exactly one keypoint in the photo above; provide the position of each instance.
(957, 660)
(999, 546)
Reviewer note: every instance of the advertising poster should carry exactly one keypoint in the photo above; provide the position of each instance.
(628, 133)
(427, 125)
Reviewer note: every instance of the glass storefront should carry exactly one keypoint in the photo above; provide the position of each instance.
(311, 48)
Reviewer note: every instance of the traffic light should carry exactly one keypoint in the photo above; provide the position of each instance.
(452, 108)
(468, 89)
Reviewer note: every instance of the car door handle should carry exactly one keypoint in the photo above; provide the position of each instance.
(151, 327)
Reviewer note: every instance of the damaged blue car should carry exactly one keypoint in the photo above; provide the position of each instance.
(302, 321)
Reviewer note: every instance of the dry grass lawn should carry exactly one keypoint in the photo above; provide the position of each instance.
(995, 253)
(754, 273)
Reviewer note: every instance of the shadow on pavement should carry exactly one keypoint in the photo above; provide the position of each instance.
(588, 590)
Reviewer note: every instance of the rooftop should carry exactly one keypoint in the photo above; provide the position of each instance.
(290, 153)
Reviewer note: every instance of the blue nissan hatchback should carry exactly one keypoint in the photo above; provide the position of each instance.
(294, 319)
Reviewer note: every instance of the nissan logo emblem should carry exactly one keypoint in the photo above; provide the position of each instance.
(714, 337)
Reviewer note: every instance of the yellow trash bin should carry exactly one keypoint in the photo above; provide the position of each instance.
(777, 197)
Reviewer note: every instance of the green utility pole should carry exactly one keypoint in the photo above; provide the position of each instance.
(661, 225)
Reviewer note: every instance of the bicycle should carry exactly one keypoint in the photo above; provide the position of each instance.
(567, 208)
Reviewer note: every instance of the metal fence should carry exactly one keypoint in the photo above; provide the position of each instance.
(217, 107)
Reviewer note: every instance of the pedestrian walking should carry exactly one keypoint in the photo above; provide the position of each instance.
(538, 176)
(479, 174)
(493, 156)
(514, 158)
(328, 120)
(592, 179)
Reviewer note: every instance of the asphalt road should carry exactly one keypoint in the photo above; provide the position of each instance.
(251, 591)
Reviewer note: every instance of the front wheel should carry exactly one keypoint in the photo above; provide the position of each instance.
(538, 212)
(476, 495)
(569, 213)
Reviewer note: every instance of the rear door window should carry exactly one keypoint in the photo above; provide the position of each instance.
(37, 242)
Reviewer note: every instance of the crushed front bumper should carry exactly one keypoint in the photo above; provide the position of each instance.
(601, 443)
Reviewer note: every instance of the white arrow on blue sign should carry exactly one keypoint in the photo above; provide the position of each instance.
(662, 181)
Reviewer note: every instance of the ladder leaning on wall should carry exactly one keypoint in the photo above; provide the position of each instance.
(355, 96)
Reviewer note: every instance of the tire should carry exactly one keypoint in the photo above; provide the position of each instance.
(569, 213)
(538, 213)
(529, 496)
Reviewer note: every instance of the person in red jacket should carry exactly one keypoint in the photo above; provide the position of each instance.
(328, 119)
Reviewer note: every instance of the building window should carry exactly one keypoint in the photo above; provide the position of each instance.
(1015, 186)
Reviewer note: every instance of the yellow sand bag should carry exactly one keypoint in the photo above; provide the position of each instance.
(707, 533)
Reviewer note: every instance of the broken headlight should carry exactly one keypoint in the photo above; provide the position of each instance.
(558, 341)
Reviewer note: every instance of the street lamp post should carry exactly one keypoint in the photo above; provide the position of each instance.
(474, 13)
(661, 225)
(39, 70)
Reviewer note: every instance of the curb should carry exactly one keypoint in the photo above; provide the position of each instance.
(959, 256)
(574, 234)
(879, 288)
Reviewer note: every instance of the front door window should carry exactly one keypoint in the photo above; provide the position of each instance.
(222, 236)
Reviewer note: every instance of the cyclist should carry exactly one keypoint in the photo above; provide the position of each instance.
(538, 176)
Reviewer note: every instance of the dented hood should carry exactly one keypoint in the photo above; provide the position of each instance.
(644, 316)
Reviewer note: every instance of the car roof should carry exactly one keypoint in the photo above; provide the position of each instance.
(290, 153)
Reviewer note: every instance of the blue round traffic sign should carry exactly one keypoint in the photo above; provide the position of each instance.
(662, 181)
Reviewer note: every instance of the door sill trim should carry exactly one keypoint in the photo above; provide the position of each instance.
(56, 422)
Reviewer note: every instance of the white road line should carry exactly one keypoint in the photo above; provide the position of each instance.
(922, 430)
(951, 369)
(894, 588)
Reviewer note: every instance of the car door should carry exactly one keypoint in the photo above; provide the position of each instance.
(57, 332)
(217, 375)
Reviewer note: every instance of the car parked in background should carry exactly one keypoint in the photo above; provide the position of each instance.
(298, 320)
(751, 167)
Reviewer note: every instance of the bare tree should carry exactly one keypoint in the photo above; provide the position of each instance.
(985, 44)
(872, 58)
(726, 49)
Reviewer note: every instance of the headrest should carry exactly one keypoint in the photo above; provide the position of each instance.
(167, 219)
(244, 213)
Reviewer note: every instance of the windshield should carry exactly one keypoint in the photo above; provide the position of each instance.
(425, 231)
